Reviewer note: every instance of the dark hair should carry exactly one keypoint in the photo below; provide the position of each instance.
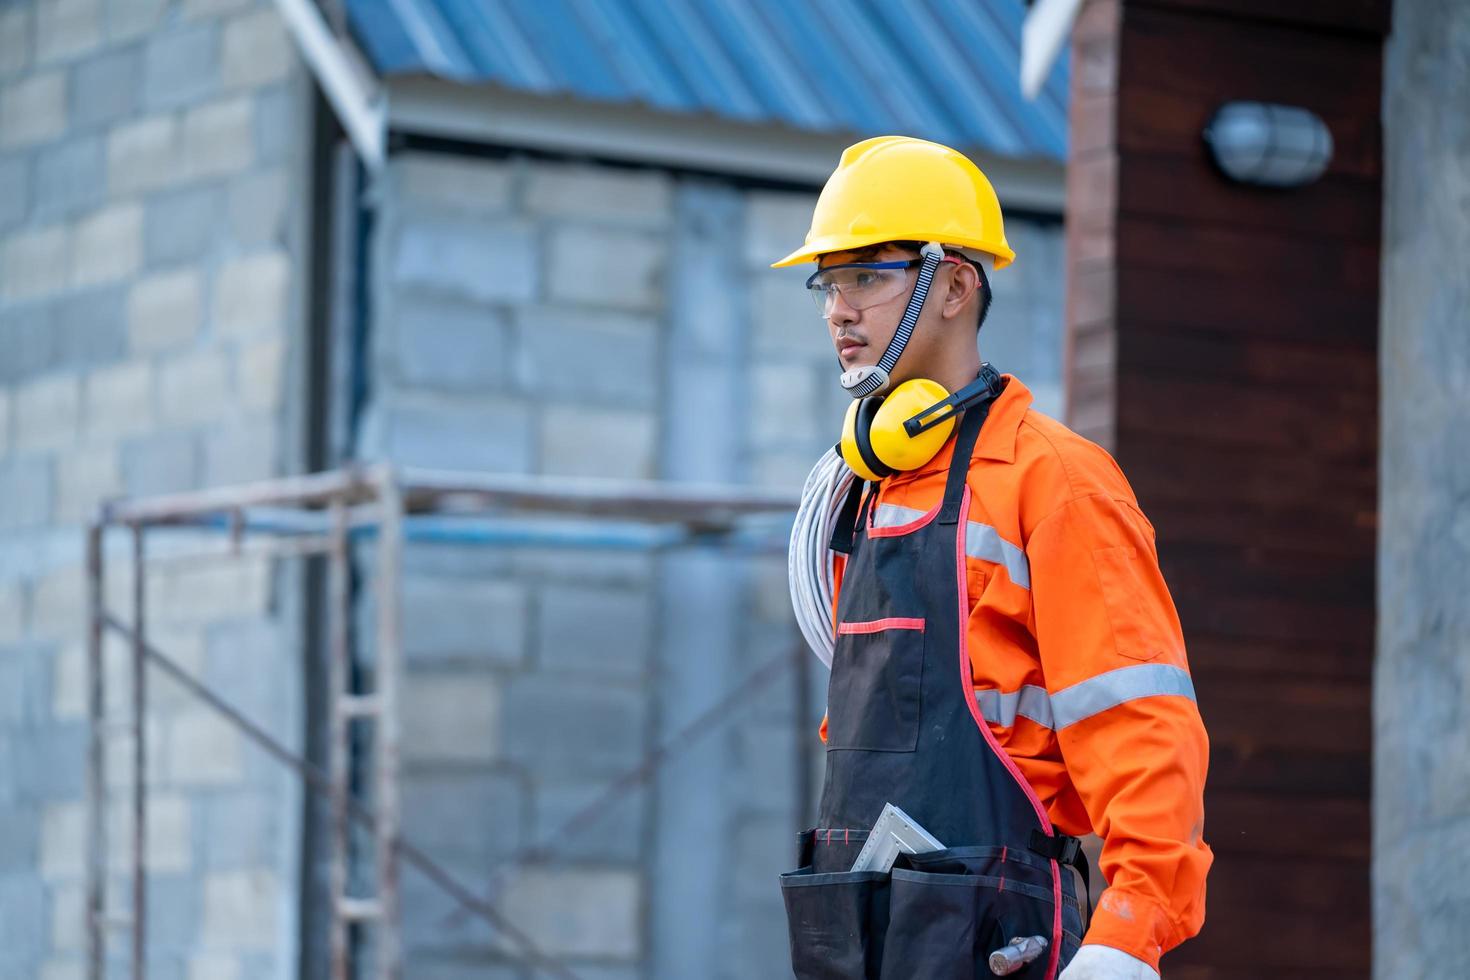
(868, 253)
(985, 294)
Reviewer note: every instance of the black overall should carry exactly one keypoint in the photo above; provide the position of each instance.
(904, 727)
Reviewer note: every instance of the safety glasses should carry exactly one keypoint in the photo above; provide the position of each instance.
(861, 284)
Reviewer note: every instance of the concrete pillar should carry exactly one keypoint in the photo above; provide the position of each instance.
(1421, 805)
(700, 610)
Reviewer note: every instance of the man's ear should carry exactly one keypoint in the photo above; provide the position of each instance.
(963, 283)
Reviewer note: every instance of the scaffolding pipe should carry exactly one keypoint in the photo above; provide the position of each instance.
(506, 532)
(337, 751)
(353, 496)
(96, 772)
(315, 489)
(140, 763)
(647, 500)
(319, 781)
(386, 682)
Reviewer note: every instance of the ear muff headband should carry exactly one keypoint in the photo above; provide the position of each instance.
(986, 386)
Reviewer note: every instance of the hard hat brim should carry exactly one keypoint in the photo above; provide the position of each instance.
(814, 250)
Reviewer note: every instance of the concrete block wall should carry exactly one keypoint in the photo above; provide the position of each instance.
(149, 269)
(517, 327)
(519, 310)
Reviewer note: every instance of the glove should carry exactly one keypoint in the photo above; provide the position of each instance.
(1106, 963)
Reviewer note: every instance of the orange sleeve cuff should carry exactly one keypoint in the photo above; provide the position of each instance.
(1133, 923)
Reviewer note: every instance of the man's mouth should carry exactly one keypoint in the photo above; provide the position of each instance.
(849, 348)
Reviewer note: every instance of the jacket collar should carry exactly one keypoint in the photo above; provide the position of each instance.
(998, 437)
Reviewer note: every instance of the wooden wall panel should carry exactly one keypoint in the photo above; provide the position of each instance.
(1222, 342)
(1327, 316)
(1361, 16)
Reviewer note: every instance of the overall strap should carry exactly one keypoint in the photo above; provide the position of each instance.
(959, 466)
(865, 512)
(846, 523)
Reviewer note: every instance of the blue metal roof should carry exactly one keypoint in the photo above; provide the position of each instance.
(947, 70)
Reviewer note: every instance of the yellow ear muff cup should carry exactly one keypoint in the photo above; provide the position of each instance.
(891, 442)
(859, 418)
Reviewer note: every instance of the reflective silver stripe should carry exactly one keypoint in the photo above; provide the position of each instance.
(983, 541)
(1097, 694)
(894, 515)
(1080, 701)
(1002, 707)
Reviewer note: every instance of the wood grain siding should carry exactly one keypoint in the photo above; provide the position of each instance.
(1222, 342)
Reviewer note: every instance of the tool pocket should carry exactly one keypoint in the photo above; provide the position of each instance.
(873, 694)
(837, 922)
(946, 919)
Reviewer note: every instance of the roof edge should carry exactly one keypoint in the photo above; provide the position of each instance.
(424, 105)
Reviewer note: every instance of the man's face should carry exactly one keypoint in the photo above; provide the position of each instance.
(861, 336)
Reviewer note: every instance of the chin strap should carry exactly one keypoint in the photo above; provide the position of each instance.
(870, 379)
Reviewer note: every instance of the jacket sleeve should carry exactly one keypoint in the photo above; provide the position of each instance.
(1134, 745)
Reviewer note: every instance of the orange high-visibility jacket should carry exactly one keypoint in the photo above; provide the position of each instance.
(1078, 661)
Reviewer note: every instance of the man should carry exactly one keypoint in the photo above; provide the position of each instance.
(1009, 667)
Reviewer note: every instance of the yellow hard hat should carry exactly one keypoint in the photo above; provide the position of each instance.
(901, 189)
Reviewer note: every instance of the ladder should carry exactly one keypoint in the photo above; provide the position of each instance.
(378, 708)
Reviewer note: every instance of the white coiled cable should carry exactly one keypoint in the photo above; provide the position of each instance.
(809, 559)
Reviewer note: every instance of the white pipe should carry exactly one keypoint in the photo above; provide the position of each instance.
(357, 101)
(1047, 26)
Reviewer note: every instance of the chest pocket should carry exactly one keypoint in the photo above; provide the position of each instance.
(975, 579)
(873, 695)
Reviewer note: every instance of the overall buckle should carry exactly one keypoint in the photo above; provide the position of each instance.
(1059, 848)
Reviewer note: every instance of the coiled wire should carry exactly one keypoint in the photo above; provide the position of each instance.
(809, 559)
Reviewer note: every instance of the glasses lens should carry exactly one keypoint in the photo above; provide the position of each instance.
(859, 287)
(822, 295)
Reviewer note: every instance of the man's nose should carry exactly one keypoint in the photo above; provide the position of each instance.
(839, 313)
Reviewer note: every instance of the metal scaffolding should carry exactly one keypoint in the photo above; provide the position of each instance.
(318, 515)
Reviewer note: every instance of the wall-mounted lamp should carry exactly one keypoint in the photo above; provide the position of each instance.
(1269, 145)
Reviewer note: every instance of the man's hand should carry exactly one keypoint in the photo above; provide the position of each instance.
(1106, 963)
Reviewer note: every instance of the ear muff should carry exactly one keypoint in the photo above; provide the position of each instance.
(856, 445)
(874, 441)
(891, 442)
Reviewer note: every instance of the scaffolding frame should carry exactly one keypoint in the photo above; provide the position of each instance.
(317, 515)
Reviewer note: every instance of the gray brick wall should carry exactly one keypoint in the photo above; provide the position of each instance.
(147, 282)
(528, 672)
